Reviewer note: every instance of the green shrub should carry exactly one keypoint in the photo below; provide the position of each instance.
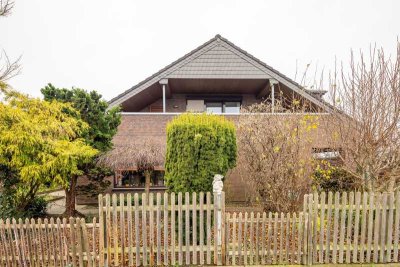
(198, 147)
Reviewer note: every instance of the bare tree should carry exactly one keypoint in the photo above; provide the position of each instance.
(144, 157)
(275, 155)
(5, 7)
(8, 68)
(366, 99)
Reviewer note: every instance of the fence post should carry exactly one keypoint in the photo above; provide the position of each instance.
(219, 197)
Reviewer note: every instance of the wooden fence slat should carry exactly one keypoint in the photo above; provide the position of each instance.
(101, 230)
(240, 239)
(151, 232)
(342, 226)
(335, 228)
(257, 239)
(65, 238)
(158, 226)
(86, 243)
(194, 228)
(233, 237)
(145, 260)
(396, 229)
(390, 228)
(173, 228)
(378, 200)
(94, 250)
(349, 229)
(137, 232)
(180, 257)
(222, 210)
(115, 228)
(305, 239)
(275, 241)
(60, 242)
(269, 243)
(264, 219)
(383, 229)
(79, 241)
(109, 228)
(122, 226)
(215, 215)
(129, 230)
(20, 229)
(18, 242)
(245, 238)
(370, 226)
(314, 238)
(311, 227)
(4, 251)
(187, 228)
(287, 235)
(328, 247)
(73, 240)
(201, 226)
(356, 226)
(228, 223)
(299, 237)
(53, 242)
(321, 230)
(251, 238)
(208, 228)
(363, 226)
(46, 238)
(292, 239)
(28, 232)
(281, 236)
(166, 232)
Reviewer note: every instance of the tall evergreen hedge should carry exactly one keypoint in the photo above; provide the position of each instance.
(198, 147)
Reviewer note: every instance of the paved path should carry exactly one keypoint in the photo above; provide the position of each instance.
(58, 207)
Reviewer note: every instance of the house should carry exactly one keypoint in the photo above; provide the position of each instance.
(216, 77)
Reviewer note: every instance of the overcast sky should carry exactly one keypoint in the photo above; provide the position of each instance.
(110, 46)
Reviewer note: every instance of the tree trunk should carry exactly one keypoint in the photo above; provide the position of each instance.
(70, 194)
(147, 174)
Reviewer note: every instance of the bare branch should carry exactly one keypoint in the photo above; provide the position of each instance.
(5, 7)
(9, 68)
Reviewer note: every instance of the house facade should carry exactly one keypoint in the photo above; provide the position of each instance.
(217, 77)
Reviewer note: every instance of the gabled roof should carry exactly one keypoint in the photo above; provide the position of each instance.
(219, 58)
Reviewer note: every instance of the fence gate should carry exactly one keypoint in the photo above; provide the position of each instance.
(161, 229)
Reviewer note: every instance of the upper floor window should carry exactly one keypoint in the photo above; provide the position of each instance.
(218, 107)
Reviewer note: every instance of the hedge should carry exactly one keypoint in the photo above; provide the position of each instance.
(198, 147)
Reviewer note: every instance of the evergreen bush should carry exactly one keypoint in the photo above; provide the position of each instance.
(198, 147)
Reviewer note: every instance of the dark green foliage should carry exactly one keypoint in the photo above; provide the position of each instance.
(198, 147)
(93, 110)
(34, 206)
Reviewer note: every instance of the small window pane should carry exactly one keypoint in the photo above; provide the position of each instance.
(232, 107)
(214, 107)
